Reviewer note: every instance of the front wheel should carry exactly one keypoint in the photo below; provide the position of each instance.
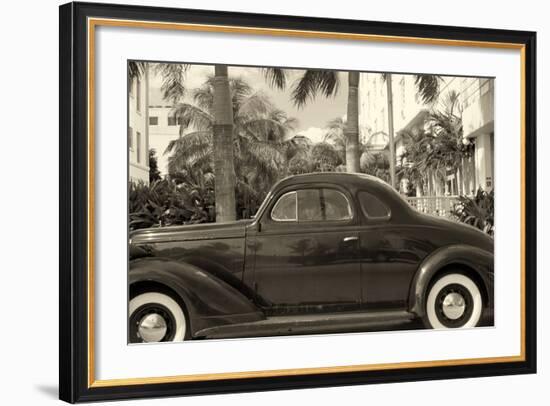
(156, 317)
(453, 301)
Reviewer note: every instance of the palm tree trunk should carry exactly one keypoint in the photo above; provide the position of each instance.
(224, 167)
(390, 128)
(352, 127)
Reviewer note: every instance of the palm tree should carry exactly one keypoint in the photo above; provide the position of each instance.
(224, 168)
(439, 148)
(327, 83)
(415, 161)
(222, 130)
(446, 127)
(260, 141)
(352, 125)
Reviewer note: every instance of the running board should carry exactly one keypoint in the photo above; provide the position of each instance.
(312, 324)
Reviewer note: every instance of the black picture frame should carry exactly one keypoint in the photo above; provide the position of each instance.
(74, 200)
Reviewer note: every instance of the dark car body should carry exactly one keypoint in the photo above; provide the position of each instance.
(264, 277)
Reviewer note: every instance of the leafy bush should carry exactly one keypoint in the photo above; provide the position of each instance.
(163, 203)
(478, 211)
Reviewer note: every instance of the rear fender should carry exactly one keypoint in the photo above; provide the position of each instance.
(209, 301)
(479, 261)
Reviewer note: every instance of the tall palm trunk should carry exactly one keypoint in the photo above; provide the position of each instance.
(352, 127)
(390, 128)
(224, 167)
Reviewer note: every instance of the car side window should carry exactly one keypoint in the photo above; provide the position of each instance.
(372, 206)
(309, 206)
(306, 205)
(285, 208)
(334, 205)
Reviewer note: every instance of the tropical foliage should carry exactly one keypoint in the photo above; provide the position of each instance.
(262, 141)
(335, 135)
(327, 83)
(376, 164)
(320, 157)
(165, 203)
(478, 211)
(154, 173)
(228, 130)
(438, 148)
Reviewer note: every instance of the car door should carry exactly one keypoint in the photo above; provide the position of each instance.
(389, 258)
(306, 252)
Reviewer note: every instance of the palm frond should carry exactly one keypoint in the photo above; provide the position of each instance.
(261, 155)
(173, 77)
(136, 69)
(276, 77)
(312, 82)
(254, 104)
(428, 87)
(189, 115)
(266, 129)
(204, 95)
(188, 140)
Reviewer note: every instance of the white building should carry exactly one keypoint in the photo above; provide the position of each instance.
(163, 128)
(138, 129)
(410, 113)
(477, 100)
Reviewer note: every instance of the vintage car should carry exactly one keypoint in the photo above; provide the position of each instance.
(326, 252)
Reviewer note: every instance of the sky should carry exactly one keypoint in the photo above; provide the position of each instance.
(312, 118)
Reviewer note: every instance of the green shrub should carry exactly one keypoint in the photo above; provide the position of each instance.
(163, 203)
(478, 211)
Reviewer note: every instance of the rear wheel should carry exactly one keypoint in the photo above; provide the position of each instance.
(156, 317)
(453, 301)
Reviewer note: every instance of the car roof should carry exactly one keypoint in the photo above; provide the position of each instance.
(333, 177)
(352, 182)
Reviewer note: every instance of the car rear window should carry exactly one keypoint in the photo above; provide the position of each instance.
(372, 206)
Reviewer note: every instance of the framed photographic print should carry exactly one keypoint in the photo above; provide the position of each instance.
(256, 202)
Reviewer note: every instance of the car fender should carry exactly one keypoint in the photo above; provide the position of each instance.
(209, 301)
(475, 259)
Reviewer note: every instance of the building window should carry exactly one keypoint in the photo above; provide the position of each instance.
(172, 121)
(138, 94)
(153, 120)
(138, 147)
(130, 139)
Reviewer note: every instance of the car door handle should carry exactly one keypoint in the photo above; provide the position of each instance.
(351, 238)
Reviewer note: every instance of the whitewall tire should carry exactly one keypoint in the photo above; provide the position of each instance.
(453, 301)
(156, 317)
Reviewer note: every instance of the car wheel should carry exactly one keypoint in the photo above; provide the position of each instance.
(156, 317)
(453, 301)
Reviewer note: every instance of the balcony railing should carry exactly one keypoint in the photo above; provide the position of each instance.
(434, 205)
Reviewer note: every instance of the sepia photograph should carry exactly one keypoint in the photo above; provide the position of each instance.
(269, 201)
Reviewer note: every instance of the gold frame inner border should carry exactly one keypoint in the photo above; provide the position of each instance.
(95, 22)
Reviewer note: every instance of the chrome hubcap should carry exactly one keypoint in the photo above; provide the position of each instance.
(453, 306)
(152, 328)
